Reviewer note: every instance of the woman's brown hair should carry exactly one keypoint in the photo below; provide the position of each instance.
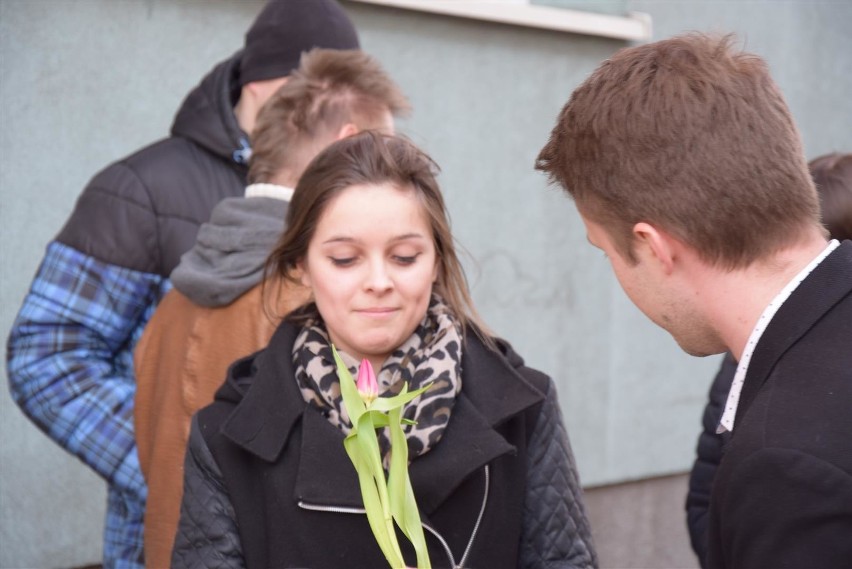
(374, 158)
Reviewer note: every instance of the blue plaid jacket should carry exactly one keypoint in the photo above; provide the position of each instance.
(70, 352)
(70, 364)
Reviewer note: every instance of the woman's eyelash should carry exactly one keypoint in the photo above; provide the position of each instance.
(347, 261)
(342, 262)
(406, 259)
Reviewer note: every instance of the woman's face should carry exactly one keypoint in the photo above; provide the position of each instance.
(371, 264)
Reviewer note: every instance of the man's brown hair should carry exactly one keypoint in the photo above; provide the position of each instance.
(329, 89)
(691, 136)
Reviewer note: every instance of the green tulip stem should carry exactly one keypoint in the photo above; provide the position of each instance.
(387, 499)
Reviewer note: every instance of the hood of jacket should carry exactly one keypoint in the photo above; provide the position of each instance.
(206, 115)
(230, 252)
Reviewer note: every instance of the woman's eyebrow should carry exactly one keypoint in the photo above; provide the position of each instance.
(339, 239)
(408, 236)
(349, 239)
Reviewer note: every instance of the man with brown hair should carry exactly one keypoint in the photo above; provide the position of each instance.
(687, 170)
(217, 311)
(832, 175)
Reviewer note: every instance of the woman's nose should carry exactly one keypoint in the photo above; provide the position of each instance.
(378, 277)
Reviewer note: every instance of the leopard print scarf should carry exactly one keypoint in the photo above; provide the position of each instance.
(431, 354)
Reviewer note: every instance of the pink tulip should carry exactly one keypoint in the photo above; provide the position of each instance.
(368, 387)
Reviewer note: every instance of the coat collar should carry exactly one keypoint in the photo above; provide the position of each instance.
(827, 285)
(264, 420)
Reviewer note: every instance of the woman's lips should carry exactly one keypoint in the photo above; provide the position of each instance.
(377, 312)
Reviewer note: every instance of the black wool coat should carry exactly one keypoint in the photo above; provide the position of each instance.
(268, 482)
(783, 492)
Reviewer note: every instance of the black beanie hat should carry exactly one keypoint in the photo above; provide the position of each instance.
(285, 29)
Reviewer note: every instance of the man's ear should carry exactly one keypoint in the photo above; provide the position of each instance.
(253, 87)
(347, 130)
(263, 89)
(658, 243)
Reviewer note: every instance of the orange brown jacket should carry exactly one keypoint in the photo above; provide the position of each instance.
(181, 360)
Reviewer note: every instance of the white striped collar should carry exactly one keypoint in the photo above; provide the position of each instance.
(727, 421)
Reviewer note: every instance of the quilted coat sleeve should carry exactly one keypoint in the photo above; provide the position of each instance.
(708, 457)
(556, 533)
(69, 360)
(207, 535)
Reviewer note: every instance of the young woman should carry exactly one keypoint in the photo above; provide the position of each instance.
(268, 483)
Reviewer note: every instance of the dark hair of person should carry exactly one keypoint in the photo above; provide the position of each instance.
(832, 174)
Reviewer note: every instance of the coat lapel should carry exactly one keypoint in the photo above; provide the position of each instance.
(829, 282)
(262, 421)
(326, 476)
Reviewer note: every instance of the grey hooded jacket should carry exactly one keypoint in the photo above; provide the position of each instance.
(230, 253)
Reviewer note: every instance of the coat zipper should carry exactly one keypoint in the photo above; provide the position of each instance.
(430, 529)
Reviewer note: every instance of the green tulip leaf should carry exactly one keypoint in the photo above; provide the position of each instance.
(387, 403)
(403, 505)
(349, 390)
(372, 505)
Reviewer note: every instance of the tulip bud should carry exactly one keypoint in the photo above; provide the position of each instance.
(368, 387)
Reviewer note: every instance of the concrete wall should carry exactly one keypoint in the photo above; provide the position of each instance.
(640, 525)
(806, 43)
(84, 82)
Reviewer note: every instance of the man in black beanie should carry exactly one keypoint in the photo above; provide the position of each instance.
(69, 355)
(275, 42)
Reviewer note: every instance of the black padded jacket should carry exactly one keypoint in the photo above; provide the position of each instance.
(708, 453)
(143, 212)
(268, 483)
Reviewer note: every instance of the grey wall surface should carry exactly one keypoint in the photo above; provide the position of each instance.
(807, 44)
(641, 524)
(84, 82)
